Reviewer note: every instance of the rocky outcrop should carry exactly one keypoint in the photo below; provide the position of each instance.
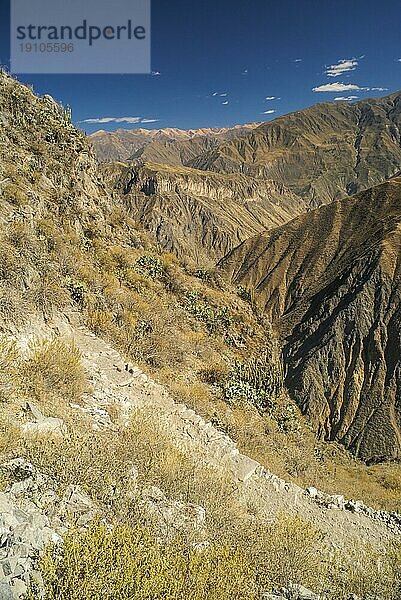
(322, 153)
(47, 167)
(331, 282)
(38, 425)
(32, 514)
(200, 214)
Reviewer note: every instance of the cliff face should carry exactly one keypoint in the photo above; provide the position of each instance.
(200, 214)
(323, 153)
(331, 282)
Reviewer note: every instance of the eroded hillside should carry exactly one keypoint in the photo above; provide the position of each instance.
(196, 213)
(331, 281)
(322, 153)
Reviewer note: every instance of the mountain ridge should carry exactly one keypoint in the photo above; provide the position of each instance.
(123, 144)
(330, 280)
(323, 152)
(199, 213)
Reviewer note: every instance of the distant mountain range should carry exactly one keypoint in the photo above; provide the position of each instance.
(170, 145)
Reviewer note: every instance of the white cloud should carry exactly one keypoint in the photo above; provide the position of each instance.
(215, 94)
(349, 98)
(338, 87)
(225, 102)
(223, 95)
(298, 60)
(244, 72)
(346, 87)
(268, 112)
(398, 59)
(156, 73)
(272, 98)
(131, 120)
(343, 66)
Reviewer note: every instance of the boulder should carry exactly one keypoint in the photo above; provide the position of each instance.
(312, 492)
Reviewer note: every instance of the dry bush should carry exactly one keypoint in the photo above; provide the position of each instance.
(193, 394)
(21, 237)
(92, 460)
(11, 268)
(129, 564)
(47, 295)
(214, 374)
(15, 195)
(15, 307)
(291, 550)
(10, 436)
(10, 362)
(101, 322)
(52, 368)
(367, 572)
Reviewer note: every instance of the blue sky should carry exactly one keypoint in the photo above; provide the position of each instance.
(217, 62)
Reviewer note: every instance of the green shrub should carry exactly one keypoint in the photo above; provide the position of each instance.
(216, 319)
(203, 274)
(150, 266)
(245, 294)
(77, 290)
(143, 327)
(129, 564)
(258, 381)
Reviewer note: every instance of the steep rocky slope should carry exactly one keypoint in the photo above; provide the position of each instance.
(173, 146)
(331, 281)
(36, 509)
(321, 153)
(197, 213)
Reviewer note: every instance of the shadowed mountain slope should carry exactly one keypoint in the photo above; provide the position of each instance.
(322, 153)
(330, 279)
